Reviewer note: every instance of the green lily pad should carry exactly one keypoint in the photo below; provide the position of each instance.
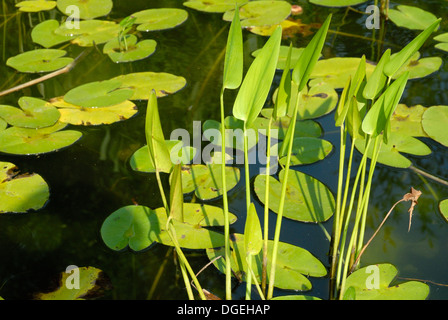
(307, 199)
(316, 101)
(39, 60)
(21, 192)
(34, 113)
(135, 50)
(36, 5)
(295, 55)
(443, 207)
(77, 115)
(364, 281)
(305, 151)
(337, 3)
(88, 9)
(218, 6)
(144, 82)
(419, 68)
(159, 19)
(408, 120)
(44, 34)
(205, 180)
(443, 39)
(296, 297)
(411, 17)
(92, 282)
(140, 160)
(293, 266)
(98, 94)
(261, 13)
(434, 123)
(390, 152)
(138, 227)
(23, 141)
(3, 124)
(91, 32)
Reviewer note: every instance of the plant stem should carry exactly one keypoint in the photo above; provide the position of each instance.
(246, 167)
(248, 276)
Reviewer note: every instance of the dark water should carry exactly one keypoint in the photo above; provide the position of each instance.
(92, 178)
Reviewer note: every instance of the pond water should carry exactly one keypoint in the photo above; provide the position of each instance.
(92, 178)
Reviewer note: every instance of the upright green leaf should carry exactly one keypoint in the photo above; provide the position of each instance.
(377, 79)
(284, 90)
(176, 194)
(257, 82)
(233, 63)
(409, 50)
(310, 55)
(253, 239)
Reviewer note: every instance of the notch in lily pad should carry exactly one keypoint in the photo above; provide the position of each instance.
(39, 60)
(134, 50)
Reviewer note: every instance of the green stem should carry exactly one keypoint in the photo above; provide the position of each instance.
(248, 277)
(246, 167)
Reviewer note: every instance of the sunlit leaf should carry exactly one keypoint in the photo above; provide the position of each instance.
(411, 17)
(434, 123)
(253, 238)
(233, 62)
(88, 9)
(39, 60)
(135, 50)
(408, 120)
(90, 32)
(419, 68)
(159, 19)
(44, 34)
(443, 207)
(213, 5)
(337, 3)
(443, 39)
(36, 5)
(305, 151)
(377, 79)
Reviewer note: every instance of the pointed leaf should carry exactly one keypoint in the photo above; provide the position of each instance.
(233, 63)
(283, 93)
(377, 79)
(253, 239)
(176, 194)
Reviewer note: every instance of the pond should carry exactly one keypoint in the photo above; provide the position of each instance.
(92, 177)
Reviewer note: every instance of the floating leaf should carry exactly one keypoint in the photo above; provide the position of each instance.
(88, 9)
(293, 266)
(39, 60)
(34, 113)
(206, 180)
(434, 123)
(98, 94)
(411, 17)
(135, 50)
(305, 151)
(307, 199)
(92, 283)
(382, 275)
(143, 82)
(290, 28)
(261, 13)
(77, 115)
(337, 3)
(44, 34)
(390, 152)
(419, 68)
(283, 55)
(443, 38)
(443, 207)
(296, 297)
(36, 5)
(159, 19)
(15, 140)
(21, 192)
(3, 124)
(316, 101)
(218, 6)
(408, 120)
(90, 32)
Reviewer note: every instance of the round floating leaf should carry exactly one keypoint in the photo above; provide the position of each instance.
(159, 19)
(443, 38)
(408, 120)
(88, 9)
(21, 192)
(319, 100)
(44, 34)
(305, 151)
(307, 199)
(98, 94)
(213, 5)
(206, 180)
(293, 266)
(443, 207)
(390, 152)
(144, 82)
(15, 140)
(435, 120)
(3, 124)
(39, 60)
(36, 5)
(411, 17)
(90, 32)
(419, 68)
(77, 115)
(296, 297)
(141, 161)
(295, 55)
(374, 283)
(135, 50)
(34, 113)
(337, 3)
(261, 13)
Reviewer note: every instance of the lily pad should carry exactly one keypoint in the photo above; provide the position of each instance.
(337, 3)
(23, 141)
(91, 32)
(411, 17)
(305, 151)
(217, 6)
(419, 68)
(36, 5)
(307, 199)
(21, 192)
(434, 123)
(408, 120)
(98, 94)
(142, 83)
(88, 9)
(39, 60)
(135, 50)
(44, 34)
(316, 101)
(34, 113)
(205, 180)
(293, 266)
(260, 13)
(443, 207)
(159, 19)
(77, 115)
(390, 152)
(363, 281)
(295, 55)
(3, 124)
(92, 283)
(443, 39)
